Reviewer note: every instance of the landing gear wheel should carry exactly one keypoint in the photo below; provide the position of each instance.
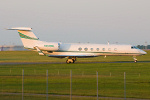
(135, 60)
(73, 61)
(70, 61)
(67, 61)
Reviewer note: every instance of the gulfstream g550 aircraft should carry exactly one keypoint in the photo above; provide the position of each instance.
(72, 51)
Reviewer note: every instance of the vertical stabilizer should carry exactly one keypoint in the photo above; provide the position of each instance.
(28, 38)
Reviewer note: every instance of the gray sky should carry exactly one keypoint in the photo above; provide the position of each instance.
(94, 21)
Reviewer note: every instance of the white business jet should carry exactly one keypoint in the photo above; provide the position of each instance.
(72, 51)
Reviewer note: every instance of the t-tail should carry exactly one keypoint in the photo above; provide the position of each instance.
(31, 42)
(28, 38)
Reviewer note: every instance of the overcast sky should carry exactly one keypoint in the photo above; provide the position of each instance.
(94, 21)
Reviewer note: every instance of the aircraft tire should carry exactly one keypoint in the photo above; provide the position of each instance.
(67, 61)
(73, 60)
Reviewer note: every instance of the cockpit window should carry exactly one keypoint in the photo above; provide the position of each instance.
(134, 47)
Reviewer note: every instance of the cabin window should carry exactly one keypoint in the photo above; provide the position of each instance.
(85, 49)
(97, 49)
(91, 49)
(115, 49)
(103, 49)
(109, 49)
(80, 49)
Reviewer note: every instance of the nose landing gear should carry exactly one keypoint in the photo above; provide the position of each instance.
(135, 60)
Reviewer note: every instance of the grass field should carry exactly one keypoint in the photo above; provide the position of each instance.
(111, 77)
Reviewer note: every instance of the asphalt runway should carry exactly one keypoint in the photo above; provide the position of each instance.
(23, 63)
(57, 95)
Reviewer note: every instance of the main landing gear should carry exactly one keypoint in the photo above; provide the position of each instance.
(135, 60)
(71, 60)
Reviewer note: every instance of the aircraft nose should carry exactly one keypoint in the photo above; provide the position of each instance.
(143, 52)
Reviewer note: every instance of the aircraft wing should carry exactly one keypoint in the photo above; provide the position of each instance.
(79, 56)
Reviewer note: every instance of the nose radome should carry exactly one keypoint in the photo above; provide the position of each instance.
(144, 53)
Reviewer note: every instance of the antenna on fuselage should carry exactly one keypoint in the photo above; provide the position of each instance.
(108, 42)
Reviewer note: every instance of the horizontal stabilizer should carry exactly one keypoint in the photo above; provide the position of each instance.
(21, 28)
